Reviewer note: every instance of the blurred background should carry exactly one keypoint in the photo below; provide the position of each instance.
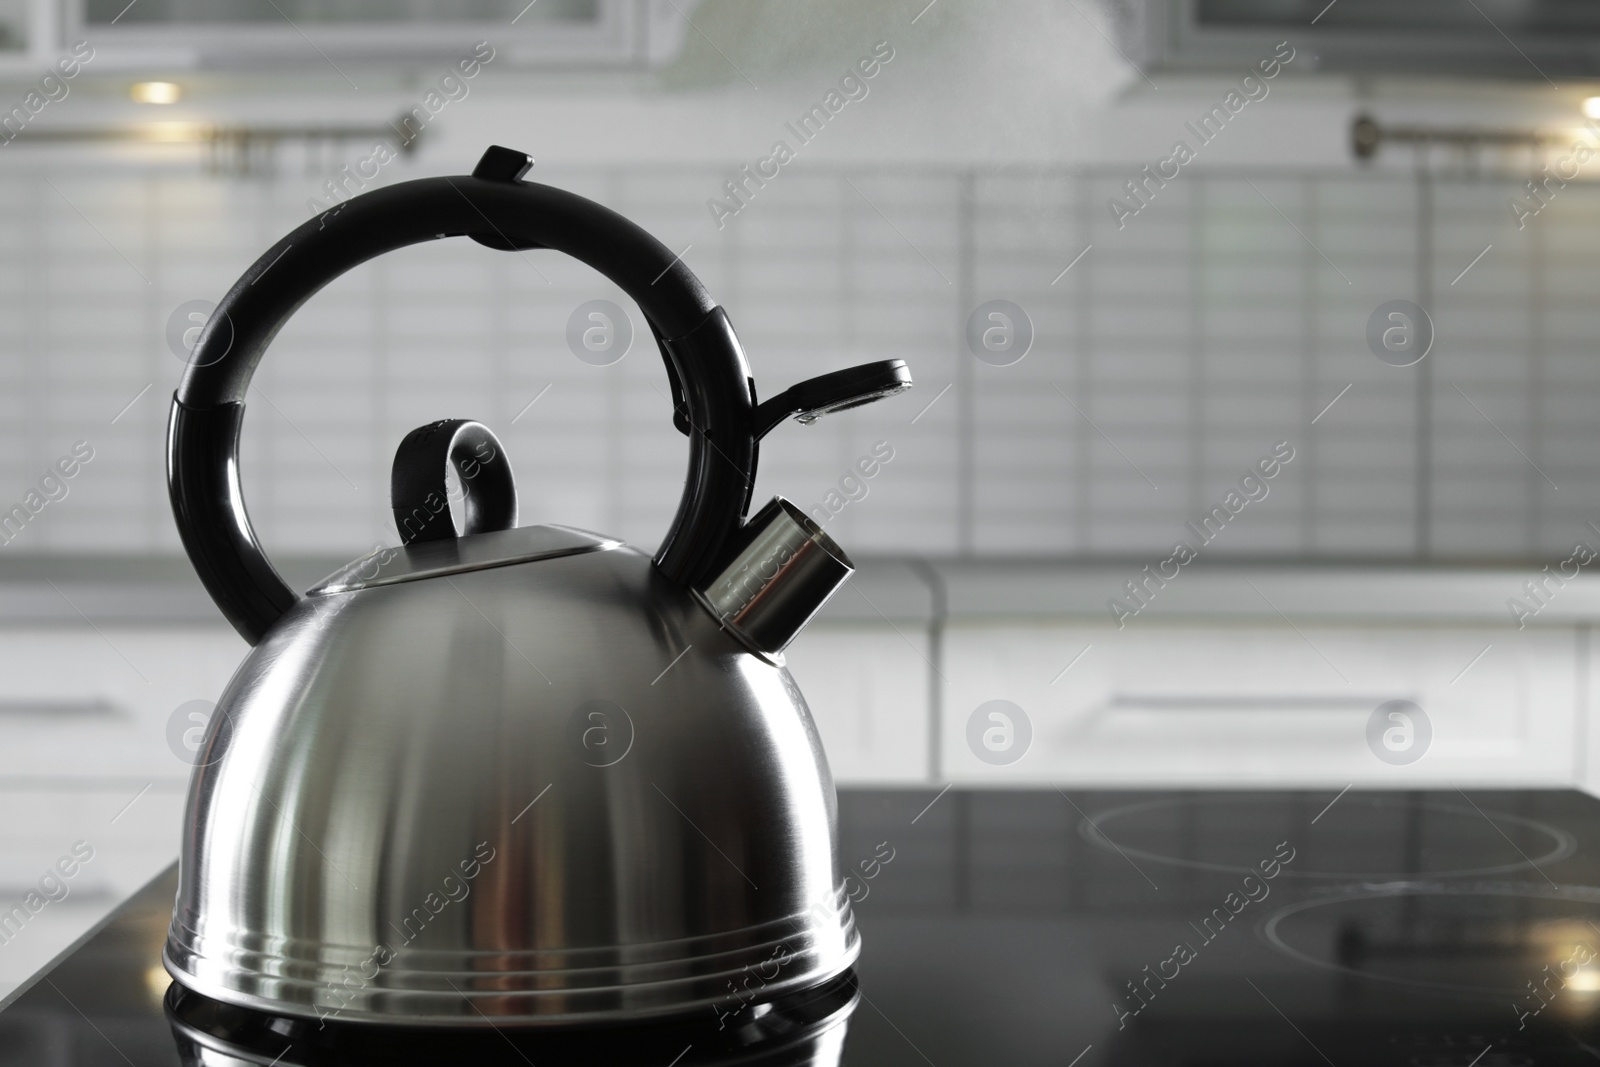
(1370, 270)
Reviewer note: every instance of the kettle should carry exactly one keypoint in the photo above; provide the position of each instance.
(524, 775)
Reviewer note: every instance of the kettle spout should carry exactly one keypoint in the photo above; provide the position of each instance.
(778, 573)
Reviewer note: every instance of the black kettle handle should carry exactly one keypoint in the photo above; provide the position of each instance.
(495, 208)
(419, 497)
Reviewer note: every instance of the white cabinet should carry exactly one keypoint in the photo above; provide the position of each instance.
(133, 832)
(84, 757)
(93, 702)
(867, 687)
(1189, 701)
(1233, 703)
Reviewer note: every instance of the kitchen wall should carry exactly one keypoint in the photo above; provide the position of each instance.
(1171, 349)
(1170, 359)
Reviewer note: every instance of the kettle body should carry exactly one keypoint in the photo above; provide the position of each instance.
(511, 775)
(540, 791)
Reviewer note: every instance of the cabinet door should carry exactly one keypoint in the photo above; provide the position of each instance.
(83, 703)
(1265, 705)
(867, 687)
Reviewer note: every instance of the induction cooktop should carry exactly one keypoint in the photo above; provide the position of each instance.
(1068, 928)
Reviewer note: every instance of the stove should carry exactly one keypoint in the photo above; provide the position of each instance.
(1070, 928)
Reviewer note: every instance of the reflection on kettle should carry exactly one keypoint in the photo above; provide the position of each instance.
(804, 1029)
(411, 818)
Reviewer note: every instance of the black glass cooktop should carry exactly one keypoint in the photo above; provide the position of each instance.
(1426, 929)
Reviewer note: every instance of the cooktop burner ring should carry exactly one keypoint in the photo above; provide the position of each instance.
(1563, 845)
(1271, 933)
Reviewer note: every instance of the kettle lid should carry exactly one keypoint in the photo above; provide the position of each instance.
(472, 552)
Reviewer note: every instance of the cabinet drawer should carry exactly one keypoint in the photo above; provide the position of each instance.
(86, 703)
(1257, 704)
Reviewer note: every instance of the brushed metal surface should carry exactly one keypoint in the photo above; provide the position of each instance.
(540, 792)
(781, 571)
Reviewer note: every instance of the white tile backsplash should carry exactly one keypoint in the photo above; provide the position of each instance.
(1190, 341)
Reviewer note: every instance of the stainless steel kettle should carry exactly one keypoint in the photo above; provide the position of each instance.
(522, 775)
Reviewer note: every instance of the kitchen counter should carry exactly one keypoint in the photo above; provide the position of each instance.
(164, 589)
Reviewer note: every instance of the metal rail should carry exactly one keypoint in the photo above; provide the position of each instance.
(1367, 136)
(233, 149)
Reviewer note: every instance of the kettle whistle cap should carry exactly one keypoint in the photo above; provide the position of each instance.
(781, 571)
